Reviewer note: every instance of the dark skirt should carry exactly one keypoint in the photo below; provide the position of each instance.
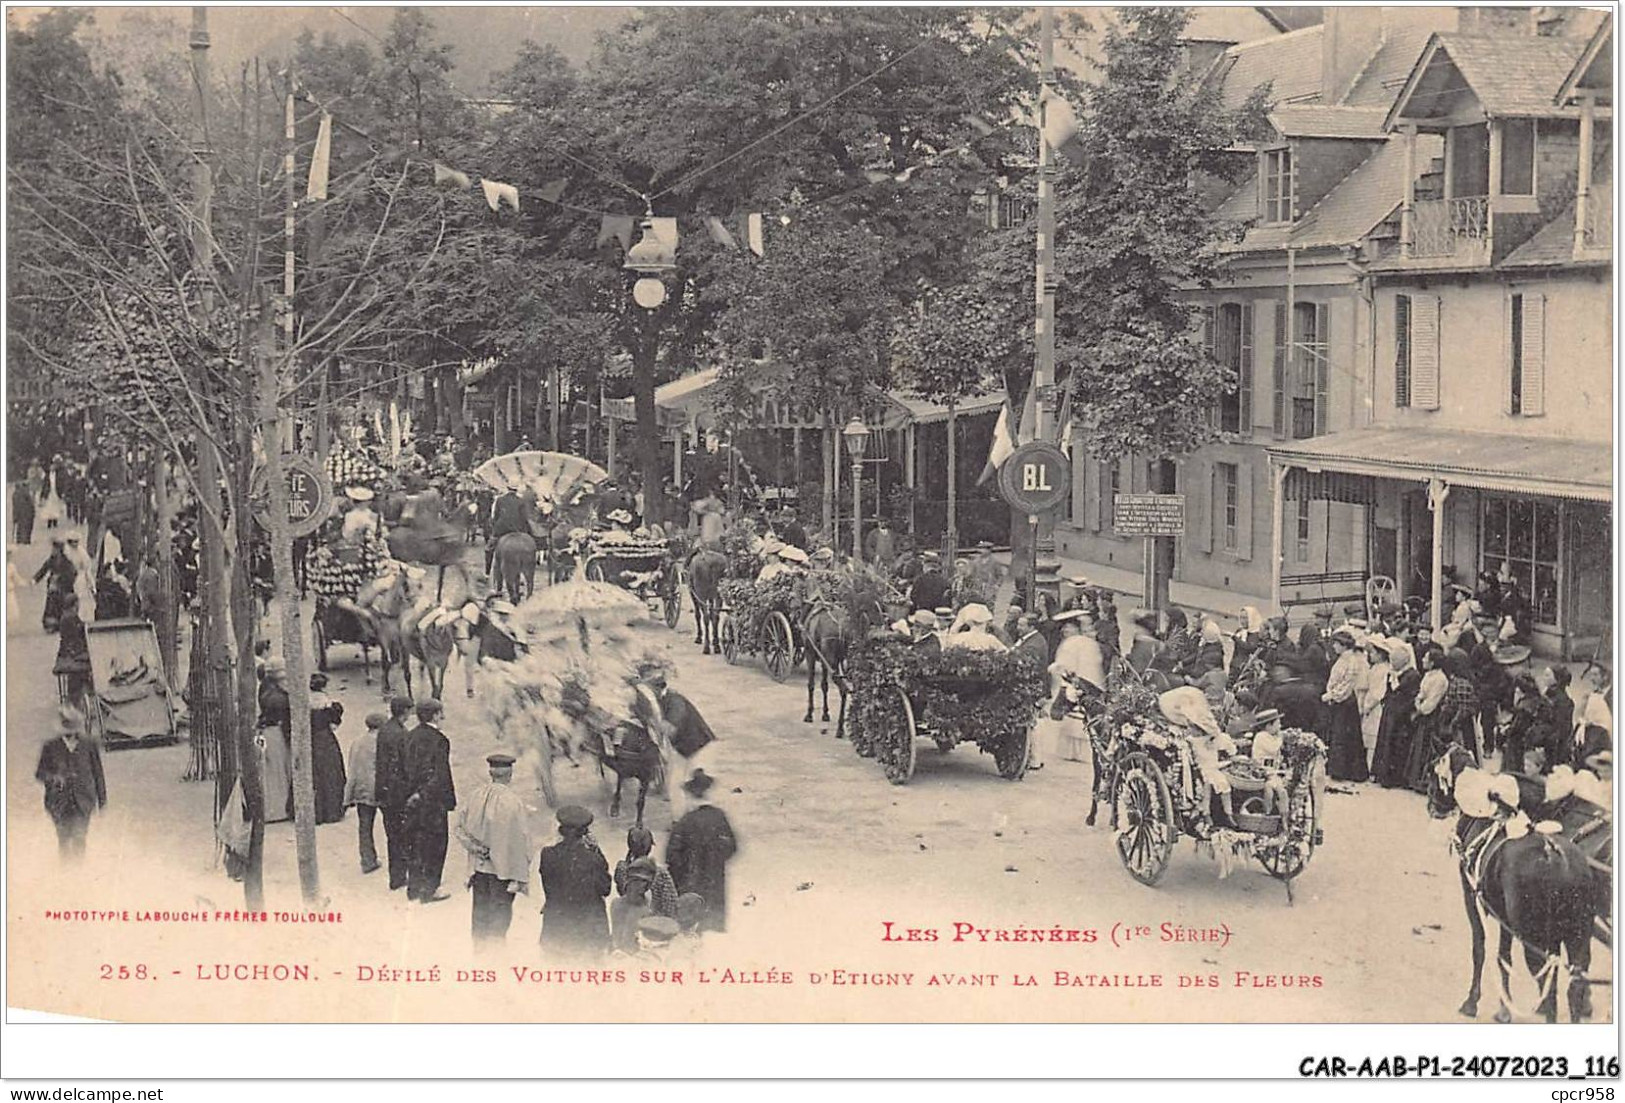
(327, 766)
(1428, 742)
(1345, 741)
(1389, 760)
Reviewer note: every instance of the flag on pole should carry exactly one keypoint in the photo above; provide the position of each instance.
(316, 186)
(1029, 418)
(1060, 121)
(1003, 445)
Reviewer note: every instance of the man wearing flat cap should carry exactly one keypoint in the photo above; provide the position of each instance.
(493, 830)
(575, 881)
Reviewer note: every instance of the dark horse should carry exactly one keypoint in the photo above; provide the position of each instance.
(638, 758)
(1539, 887)
(829, 633)
(706, 570)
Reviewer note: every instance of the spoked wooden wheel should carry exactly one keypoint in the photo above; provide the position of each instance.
(899, 735)
(672, 601)
(1012, 753)
(595, 571)
(778, 649)
(1145, 820)
(729, 638)
(1286, 862)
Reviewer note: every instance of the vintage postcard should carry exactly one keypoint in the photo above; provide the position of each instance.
(794, 515)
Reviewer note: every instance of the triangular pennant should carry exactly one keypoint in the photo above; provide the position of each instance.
(615, 227)
(497, 193)
(719, 232)
(551, 192)
(316, 186)
(1002, 445)
(444, 175)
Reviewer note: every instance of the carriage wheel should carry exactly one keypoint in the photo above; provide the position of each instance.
(595, 571)
(672, 601)
(1284, 864)
(728, 633)
(1013, 752)
(1145, 817)
(779, 648)
(900, 731)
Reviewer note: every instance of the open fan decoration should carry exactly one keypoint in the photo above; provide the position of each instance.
(348, 467)
(558, 479)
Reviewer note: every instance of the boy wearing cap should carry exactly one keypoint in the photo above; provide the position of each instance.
(70, 768)
(361, 787)
(493, 829)
(575, 881)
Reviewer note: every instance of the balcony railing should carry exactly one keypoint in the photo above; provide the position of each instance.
(1599, 216)
(1442, 227)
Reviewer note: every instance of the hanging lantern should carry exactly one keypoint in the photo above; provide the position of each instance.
(654, 254)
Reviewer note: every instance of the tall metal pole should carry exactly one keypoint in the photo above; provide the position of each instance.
(289, 200)
(857, 510)
(1044, 283)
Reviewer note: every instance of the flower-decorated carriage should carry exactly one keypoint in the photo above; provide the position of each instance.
(761, 618)
(639, 564)
(336, 572)
(575, 689)
(902, 692)
(1150, 776)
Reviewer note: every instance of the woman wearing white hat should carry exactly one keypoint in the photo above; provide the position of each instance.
(972, 630)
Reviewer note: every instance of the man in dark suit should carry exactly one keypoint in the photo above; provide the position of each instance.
(430, 796)
(1030, 641)
(508, 514)
(930, 588)
(391, 789)
(70, 768)
(575, 881)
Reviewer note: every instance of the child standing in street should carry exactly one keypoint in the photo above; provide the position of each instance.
(361, 789)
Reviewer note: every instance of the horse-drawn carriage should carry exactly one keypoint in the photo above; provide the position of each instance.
(1149, 775)
(902, 692)
(337, 572)
(761, 618)
(645, 567)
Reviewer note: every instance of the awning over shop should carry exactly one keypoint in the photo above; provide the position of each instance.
(691, 397)
(1544, 466)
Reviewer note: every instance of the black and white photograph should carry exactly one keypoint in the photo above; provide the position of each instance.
(815, 515)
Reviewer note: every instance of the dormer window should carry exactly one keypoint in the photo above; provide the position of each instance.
(1276, 175)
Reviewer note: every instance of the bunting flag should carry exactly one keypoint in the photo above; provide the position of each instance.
(719, 232)
(616, 227)
(1063, 423)
(497, 194)
(320, 160)
(443, 175)
(551, 193)
(753, 233)
(979, 124)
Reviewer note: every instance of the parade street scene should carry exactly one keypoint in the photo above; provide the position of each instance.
(759, 514)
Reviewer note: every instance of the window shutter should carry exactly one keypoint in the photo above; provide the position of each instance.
(1210, 342)
(1402, 350)
(1246, 369)
(1279, 422)
(1093, 488)
(1196, 481)
(1534, 355)
(1244, 511)
(1323, 350)
(1425, 352)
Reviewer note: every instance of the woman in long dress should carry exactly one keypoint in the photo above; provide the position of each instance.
(1373, 692)
(1341, 726)
(52, 509)
(275, 738)
(1394, 729)
(326, 759)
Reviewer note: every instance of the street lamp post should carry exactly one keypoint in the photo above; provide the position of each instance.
(650, 260)
(857, 440)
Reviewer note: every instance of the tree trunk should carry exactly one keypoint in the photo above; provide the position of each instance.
(162, 549)
(951, 537)
(827, 458)
(646, 350)
(1162, 548)
(293, 641)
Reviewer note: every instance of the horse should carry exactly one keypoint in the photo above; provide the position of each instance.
(513, 562)
(386, 601)
(638, 757)
(429, 637)
(1538, 886)
(706, 569)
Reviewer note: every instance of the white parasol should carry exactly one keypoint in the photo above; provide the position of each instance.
(555, 477)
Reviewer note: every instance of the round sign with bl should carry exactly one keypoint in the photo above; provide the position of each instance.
(1036, 478)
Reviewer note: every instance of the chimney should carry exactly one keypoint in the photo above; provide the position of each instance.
(1497, 20)
(1349, 37)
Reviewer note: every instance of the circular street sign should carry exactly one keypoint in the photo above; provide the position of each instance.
(310, 495)
(1036, 478)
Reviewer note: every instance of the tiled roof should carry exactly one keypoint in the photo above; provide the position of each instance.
(1227, 24)
(1242, 206)
(1364, 198)
(1315, 121)
(1552, 244)
(1513, 73)
(1288, 63)
(1546, 465)
(1385, 73)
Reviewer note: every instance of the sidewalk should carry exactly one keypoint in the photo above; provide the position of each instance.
(1221, 604)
